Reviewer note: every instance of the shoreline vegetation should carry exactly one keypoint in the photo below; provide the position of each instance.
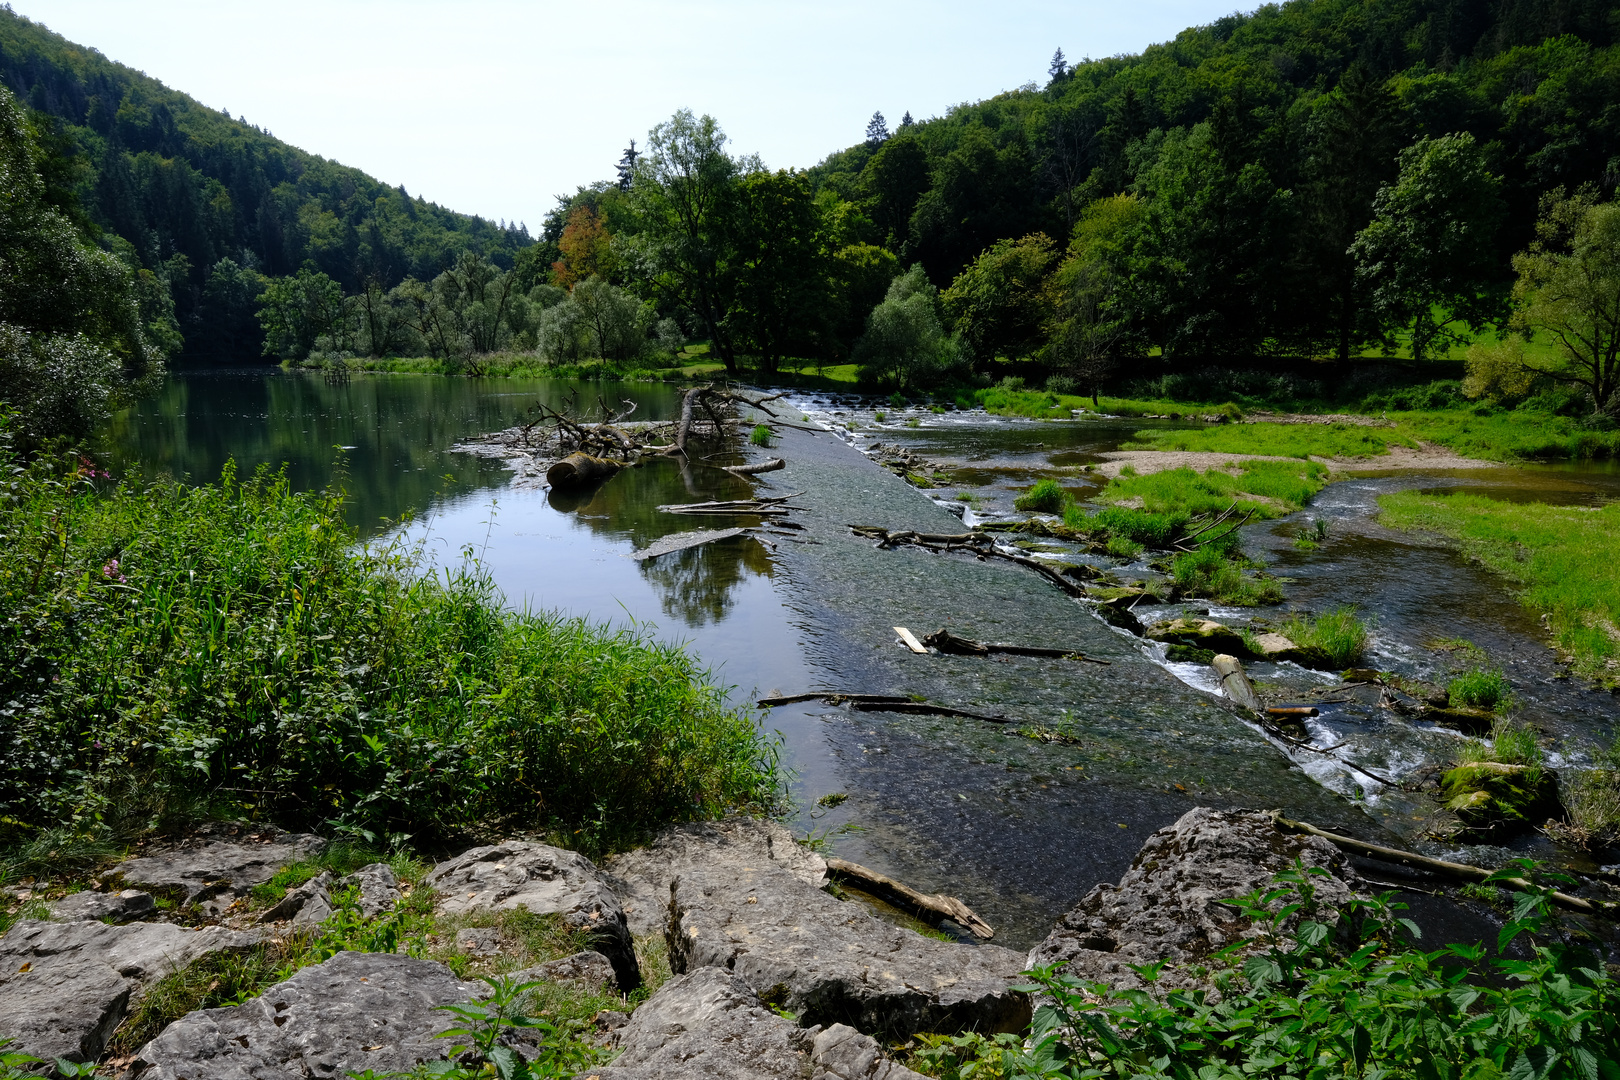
(231, 649)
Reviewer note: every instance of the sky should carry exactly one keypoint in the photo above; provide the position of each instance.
(496, 107)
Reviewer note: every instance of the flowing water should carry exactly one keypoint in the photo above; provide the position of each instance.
(1020, 818)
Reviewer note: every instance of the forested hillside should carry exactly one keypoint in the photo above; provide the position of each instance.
(210, 203)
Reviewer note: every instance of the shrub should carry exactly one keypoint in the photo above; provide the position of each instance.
(1047, 496)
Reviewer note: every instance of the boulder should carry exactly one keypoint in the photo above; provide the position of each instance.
(641, 878)
(203, 867)
(1492, 797)
(125, 906)
(379, 888)
(357, 1011)
(709, 1025)
(64, 987)
(1276, 647)
(308, 905)
(546, 881)
(1199, 634)
(590, 969)
(1168, 905)
(738, 899)
(481, 941)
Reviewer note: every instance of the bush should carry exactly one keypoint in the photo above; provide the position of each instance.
(1047, 497)
(235, 643)
(1338, 635)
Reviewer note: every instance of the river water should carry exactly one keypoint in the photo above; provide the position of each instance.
(1019, 827)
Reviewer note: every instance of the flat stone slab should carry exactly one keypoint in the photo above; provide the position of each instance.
(1168, 905)
(64, 987)
(590, 969)
(119, 907)
(357, 1011)
(545, 880)
(739, 900)
(205, 866)
(709, 1025)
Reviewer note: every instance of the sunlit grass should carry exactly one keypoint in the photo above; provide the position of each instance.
(1339, 636)
(1339, 440)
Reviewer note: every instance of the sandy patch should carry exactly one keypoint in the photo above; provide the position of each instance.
(1399, 457)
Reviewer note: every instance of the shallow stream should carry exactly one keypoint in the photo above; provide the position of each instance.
(1019, 827)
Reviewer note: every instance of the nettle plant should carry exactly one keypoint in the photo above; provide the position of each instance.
(1352, 998)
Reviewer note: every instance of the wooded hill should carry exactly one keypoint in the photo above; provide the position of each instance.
(186, 186)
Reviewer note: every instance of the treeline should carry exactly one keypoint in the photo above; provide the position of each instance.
(214, 206)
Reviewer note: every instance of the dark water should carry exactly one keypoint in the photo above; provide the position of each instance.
(1019, 828)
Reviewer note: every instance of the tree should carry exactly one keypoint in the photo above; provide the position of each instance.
(1428, 256)
(586, 247)
(999, 306)
(614, 322)
(627, 166)
(74, 343)
(1058, 68)
(906, 120)
(905, 345)
(1091, 327)
(891, 183)
(877, 131)
(684, 195)
(781, 302)
(1568, 288)
(297, 310)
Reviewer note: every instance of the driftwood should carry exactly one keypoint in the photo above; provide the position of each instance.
(1291, 712)
(924, 708)
(763, 466)
(947, 642)
(982, 545)
(1441, 866)
(911, 640)
(579, 469)
(683, 540)
(831, 697)
(1236, 683)
(777, 504)
(930, 909)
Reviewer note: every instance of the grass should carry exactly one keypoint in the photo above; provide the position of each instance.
(1215, 574)
(1338, 635)
(1047, 496)
(232, 648)
(1481, 688)
(761, 435)
(1277, 487)
(1564, 562)
(1592, 801)
(1338, 440)
(680, 368)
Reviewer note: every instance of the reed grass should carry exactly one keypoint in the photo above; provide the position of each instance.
(1339, 635)
(233, 648)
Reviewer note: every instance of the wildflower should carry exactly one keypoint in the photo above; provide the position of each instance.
(109, 570)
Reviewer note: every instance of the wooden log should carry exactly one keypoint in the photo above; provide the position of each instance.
(758, 467)
(947, 642)
(579, 469)
(930, 909)
(833, 697)
(1236, 683)
(911, 640)
(924, 708)
(1291, 712)
(681, 541)
(1440, 866)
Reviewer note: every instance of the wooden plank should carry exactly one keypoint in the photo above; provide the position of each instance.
(911, 640)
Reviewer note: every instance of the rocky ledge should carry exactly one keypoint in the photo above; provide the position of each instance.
(772, 976)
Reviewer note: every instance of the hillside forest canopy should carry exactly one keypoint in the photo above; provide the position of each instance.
(1322, 179)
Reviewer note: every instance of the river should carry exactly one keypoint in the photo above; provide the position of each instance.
(1019, 827)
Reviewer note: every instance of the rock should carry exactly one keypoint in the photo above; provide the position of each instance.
(202, 868)
(1468, 721)
(1492, 797)
(480, 941)
(641, 877)
(1200, 634)
(357, 1011)
(379, 888)
(1277, 648)
(709, 1025)
(119, 907)
(590, 969)
(546, 881)
(307, 905)
(64, 987)
(1168, 906)
(736, 903)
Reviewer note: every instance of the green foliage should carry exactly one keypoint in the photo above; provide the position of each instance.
(1286, 484)
(1216, 572)
(1562, 557)
(1479, 688)
(999, 305)
(1276, 440)
(905, 345)
(1313, 997)
(761, 435)
(1338, 635)
(235, 640)
(1047, 497)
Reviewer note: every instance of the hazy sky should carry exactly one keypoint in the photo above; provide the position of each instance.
(496, 106)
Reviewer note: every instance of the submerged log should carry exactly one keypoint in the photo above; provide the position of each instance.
(930, 909)
(923, 708)
(831, 697)
(1441, 866)
(1236, 683)
(947, 642)
(683, 540)
(578, 470)
(771, 465)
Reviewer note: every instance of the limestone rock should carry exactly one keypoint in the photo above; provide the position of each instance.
(1492, 797)
(480, 941)
(641, 878)
(545, 880)
(308, 905)
(1168, 906)
(357, 1011)
(119, 907)
(736, 903)
(590, 969)
(204, 867)
(709, 1025)
(1276, 647)
(1199, 634)
(64, 987)
(379, 888)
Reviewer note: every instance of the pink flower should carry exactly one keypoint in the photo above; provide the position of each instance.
(109, 570)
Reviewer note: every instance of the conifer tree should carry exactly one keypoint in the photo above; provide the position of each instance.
(1059, 67)
(627, 166)
(877, 130)
(906, 120)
